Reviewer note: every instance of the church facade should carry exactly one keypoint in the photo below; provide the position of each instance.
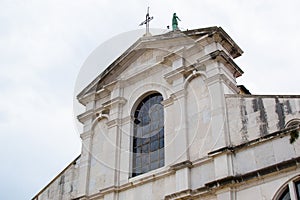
(167, 120)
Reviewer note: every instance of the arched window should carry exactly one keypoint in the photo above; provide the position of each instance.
(148, 136)
(293, 123)
(291, 191)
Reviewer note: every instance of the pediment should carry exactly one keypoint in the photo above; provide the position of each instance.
(152, 50)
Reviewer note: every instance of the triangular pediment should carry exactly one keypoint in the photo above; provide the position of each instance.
(151, 50)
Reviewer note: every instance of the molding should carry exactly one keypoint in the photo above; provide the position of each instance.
(178, 73)
(173, 97)
(233, 181)
(178, 95)
(230, 84)
(276, 134)
(221, 56)
(225, 40)
(260, 173)
(87, 98)
(136, 49)
(193, 75)
(114, 101)
(86, 134)
(262, 96)
(181, 165)
(113, 122)
(131, 184)
(83, 197)
(222, 78)
(184, 194)
(202, 160)
(169, 101)
(109, 87)
(126, 120)
(83, 117)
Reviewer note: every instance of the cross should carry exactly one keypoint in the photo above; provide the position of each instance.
(147, 21)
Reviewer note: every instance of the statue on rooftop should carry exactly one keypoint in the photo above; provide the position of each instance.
(175, 22)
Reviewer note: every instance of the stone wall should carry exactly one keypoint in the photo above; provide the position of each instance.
(63, 186)
(254, 116)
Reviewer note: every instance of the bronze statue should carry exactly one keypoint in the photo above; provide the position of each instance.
(175, 22)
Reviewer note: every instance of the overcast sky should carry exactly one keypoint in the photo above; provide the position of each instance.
(44, 43)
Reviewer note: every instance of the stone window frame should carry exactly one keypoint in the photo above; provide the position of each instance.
(293, 122)
(147, 142)
(290, 190)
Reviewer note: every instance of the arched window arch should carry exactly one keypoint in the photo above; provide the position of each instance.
(148, 135)
(293, 123)
(289, 191)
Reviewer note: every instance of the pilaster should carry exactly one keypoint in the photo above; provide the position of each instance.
(84, 165)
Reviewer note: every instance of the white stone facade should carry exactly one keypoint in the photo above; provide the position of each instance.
(218, 143)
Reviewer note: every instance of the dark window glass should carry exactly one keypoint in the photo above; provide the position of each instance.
(148, 137)
(285, 195)
(297, 185)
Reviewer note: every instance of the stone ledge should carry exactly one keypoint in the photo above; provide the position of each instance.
(294, 162)
(85, 116)
(185, 194)
(231, 181)
(222, 57)
(261, 139)
(114, 101)
(182, 165)
(262, 96)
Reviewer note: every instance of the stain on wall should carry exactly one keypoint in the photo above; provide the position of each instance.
(258, 106)
(280, 113)
(244, 120)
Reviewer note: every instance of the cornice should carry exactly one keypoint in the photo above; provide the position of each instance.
(87, 98)
(181, 165)
(83, 117)
(113, 123)
(182, 71)
(86, 135)
(114, 101)
(221, 56)
(167, 102)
